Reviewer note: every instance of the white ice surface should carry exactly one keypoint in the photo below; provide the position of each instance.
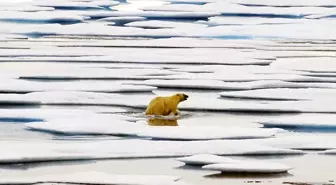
(34, 151)
(140, 55)
(226, 164)
(226, 7)
(244, 76)
(40, 16)
(313, 29)
(249, 167)
(44, 114)
(141, 58)
(284, 94)
(194, 103)
(94, 177)
(164, 24)
(165, 43)
(124, 19)
(16, 99)
(322, 121)
(249, 21)
(322, 64)
(151, 14)
(98, 4)
(218, 84)
(287, 2)
(25, 8)
(204, 159)
(302, 141)
(116, 126)
(90, 73)
(330, 152)
(17, 86)
(191, 1)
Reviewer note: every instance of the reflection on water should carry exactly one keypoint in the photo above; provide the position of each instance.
(162, 122)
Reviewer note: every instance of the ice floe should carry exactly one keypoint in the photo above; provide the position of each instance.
(195, 103)
(220, 85)
(329, 152)
(94, 177)
(164, 24)
(122, 20)
(197, 2)
(287, 3)
(116, 126)
(25, 8)
(226, 8)
(301, 141)
(249, 167)
(16, 99)
(91, 73)
(39, 151)
(302, 121)
(151, 43)
(214, 21)
(244, 76)
(225, 164)
(45, 114)
(63, 4)
(283, 94)
(204, 159)
(40, 17)
(152, 14)
(136, 5)
(317, 64)
(139, 55)
(22, 86)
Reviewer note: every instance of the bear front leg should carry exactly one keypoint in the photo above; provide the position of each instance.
(175, 113)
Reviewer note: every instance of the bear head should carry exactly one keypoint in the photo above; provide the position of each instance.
(182, 97)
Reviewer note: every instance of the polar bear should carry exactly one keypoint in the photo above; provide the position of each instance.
(165, 105)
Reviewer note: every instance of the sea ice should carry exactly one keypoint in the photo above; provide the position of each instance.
(16, 99)
(41, 114)
(302, 121)
(283, 94)
(40, 16)
(120, 21)
(300, 141)
(194, 103)
(249, 167)
(39, 151)
(164, 24)
(65, 4)
(94, 177)
(220, 85)
(152, 14)
(204, 159)
(287, 3)
(316, 64)
(116, 126)
(22, 86)
(225, 164)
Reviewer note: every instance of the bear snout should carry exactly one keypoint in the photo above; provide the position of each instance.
(185, 97)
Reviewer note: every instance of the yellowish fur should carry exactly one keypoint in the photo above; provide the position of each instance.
(165, 105)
